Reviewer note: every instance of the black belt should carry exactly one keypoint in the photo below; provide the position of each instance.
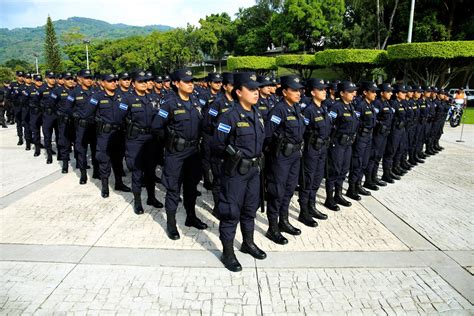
(365, 131)
(251, 162)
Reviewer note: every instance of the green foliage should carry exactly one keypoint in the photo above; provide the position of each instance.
(51, 48)
(252, 29)
(251, 63)
(302, 64)
(335, 57)
(6, 74)
(216, 35)
(443, 50)
(18, 64)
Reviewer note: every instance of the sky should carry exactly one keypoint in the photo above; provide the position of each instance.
(175, 13)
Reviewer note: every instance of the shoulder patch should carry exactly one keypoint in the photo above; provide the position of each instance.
(356, 112)
(213, 112)
(333, 114)
(163, 113)
(376, 110)
(275, 119)
(202, 101)
(306, 121)
(224, 128)
(70, 98)
(92, 101)
(54, 96)
(123, 106)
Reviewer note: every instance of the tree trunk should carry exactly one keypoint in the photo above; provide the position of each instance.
(390, 24)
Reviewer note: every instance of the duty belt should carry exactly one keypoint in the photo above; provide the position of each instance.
(251, 162)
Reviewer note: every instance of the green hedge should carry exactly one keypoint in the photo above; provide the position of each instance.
(335, 57)
(443, 50)
(293, 61)
(251, 63)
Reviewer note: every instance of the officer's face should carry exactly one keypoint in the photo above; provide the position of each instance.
(38, 83)
(410, 95)
(247, 96)
(87, 82)
(433, 95)
(140, 86)
(28, 80)
(386, 95)
(417, 94)
(370, 95)
(216, 86)
(109, 85)
(319, 94)
(51, 81)
(401, 95)
(150, 84)
(158, 85)
(125, 83)
(291, 95)
(426, 94)
(20, 79)
(186, 87)
(347, 96)
(265, 91)
(228, 88)
(166, 84)
(69, 83)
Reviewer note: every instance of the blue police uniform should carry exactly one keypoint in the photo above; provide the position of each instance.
(284, 133)
(36, 115)
(384, 119)
(14, 95)
(239, 140)
(441, 117)
(140, 145)
(431, 110)
(363, 143)
(50, 118)
(346, 124)
(316, 140)
(179, 122)
(423, 124)
(23, 102)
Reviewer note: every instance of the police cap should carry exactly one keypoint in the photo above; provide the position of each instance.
(346, 86)
(291, 81)
(85, 73)
(265, 81)
(246, 79)
(316, 83)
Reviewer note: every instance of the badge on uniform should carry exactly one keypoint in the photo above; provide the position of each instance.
(70, 98)
(357, 113)
(333, 114)
(303, 105)
(203, 102)
(213, 112)
(123, 106)
(275, 119)
(54, 96)
(163, 113)
(92, 101)
(224, 128)
(376, 110)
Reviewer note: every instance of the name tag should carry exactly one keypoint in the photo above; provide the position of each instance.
(104, 101)
(224, 110)
(347, 114)
(368, 112)
(179, 112)
(65, 94)
(79, 98)
(319, 118)
(136, 105)
(291, 118)
(262, 108)
(243, 124)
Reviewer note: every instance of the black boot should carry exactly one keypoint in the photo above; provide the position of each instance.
(393, 175)
(171, 228)
(397, 171)
(83, 179)
(314, 212)
(228, 257)
(95, 172)
(352, 192)
(387, 175)
(192, 220)
(249, 246)
(20, 141)
(285, 226)
(119, 186)
(37, 151)
(339, 198)
(361, 190)
(418, 159)
(49, 159)
(330, 203)
(369, 183)
(305, 218)
(151, 200)
(404, 164)
(137, 203)
(65, 166)
(28, 145)
(273, 233)
(105, 188)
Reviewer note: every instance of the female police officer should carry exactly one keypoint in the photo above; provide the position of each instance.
(179, 122)
(140, 143)
(284, 134)
(239, 140)
(318, 130)
(344, 133)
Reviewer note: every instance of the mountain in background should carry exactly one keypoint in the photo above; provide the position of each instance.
(22, 43)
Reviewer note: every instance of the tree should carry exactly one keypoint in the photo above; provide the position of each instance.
(6, 74)
(18, 64)
(432, 63)
(304, 65)
(51, 47)
(216, 35)
(72, 36)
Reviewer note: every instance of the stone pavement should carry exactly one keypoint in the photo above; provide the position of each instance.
(405, 250)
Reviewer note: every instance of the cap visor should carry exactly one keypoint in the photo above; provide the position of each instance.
(186, 78)
(252, 85)
(295, 86)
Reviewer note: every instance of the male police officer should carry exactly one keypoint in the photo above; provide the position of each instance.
(50, 119)
(35, 113)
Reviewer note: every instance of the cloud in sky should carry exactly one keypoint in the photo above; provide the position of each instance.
(32, 13)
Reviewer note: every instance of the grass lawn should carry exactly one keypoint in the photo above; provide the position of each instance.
(468, 116)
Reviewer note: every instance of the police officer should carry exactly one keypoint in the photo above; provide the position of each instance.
(166, 86)
(50, 119)
(412, 152)
(431, 110)
(179, 123)
(441, 117)
(384, 118)
(124, 83)
(362, 146)
(424, 118)
(24, 92)
(140, 143)
(346, 124)
(78, 101)
(265, 102)
(211, 114)
(391, 158)
(3, 103)
(8, 106)
(316, 142)
(284, 137)
(109, 114)
(206, 98)
(409, 130)
(60, 102)
(36, 116)
(14, 95)
(239, 141)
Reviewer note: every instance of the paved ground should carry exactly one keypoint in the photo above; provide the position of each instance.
(406, 250)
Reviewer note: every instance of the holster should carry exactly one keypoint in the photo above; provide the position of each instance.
(346, 139)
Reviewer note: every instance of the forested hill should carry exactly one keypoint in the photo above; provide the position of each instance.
(22, 43)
